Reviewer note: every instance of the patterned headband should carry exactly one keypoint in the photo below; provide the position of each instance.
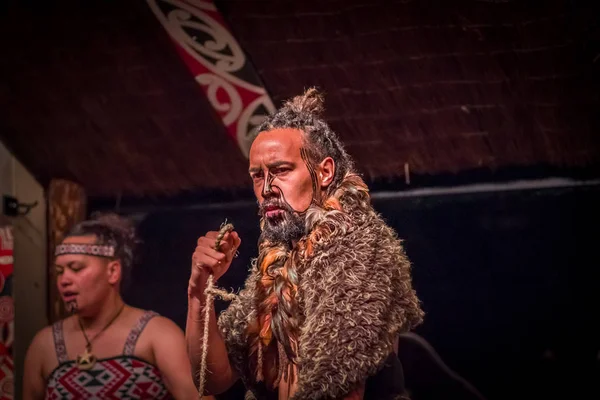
(87, 249)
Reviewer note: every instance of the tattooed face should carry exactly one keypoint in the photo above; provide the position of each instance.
(71, 307)
(82, 280)
(285, 185)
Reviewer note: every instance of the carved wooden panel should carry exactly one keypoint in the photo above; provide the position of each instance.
(67, 204)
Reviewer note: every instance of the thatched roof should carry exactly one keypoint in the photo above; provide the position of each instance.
(99, 95)
(445, 86)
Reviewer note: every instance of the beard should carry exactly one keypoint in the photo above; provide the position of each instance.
(286, 226)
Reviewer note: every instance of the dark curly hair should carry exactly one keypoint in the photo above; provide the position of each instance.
(112, 230)
(304, 112)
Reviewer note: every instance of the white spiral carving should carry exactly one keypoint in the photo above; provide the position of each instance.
(6, 260)
(7, 309)
(219, 52)
(8, 385)
(233, 107)
(220, 39)
(205, 5)
(6, 237)
(249, 120)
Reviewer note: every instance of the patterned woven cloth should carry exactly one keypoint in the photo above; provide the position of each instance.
(120, 377)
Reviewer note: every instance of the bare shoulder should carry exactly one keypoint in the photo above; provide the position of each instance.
(136, 313)
(155, 318)
(159, 327)
(41, 353)
(42, 340)
(163, 325)
(163, 335)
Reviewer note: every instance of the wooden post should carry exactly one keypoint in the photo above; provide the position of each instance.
(67, 204)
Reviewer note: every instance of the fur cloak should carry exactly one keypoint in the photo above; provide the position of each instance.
(355, 296)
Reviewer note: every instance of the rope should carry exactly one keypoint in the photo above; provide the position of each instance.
(211, 292)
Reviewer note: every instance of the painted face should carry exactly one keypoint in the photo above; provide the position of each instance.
(283, 184)
(83, 281)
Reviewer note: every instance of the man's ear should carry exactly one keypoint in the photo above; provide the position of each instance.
(114, 271)
(326, 172)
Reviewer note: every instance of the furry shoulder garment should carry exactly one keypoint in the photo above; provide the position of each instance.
(355, 296)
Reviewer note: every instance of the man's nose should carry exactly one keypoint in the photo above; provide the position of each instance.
(268, 186)
(267, 189)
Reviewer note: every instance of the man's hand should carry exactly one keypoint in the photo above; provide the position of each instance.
(207, 260)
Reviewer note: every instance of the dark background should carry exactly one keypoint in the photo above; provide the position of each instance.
(508, 279)
(96, 93)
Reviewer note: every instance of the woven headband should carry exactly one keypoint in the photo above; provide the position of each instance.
(87, 249)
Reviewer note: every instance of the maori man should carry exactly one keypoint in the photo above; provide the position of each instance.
(331, 288)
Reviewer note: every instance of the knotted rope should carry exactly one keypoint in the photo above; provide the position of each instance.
(210, 293)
